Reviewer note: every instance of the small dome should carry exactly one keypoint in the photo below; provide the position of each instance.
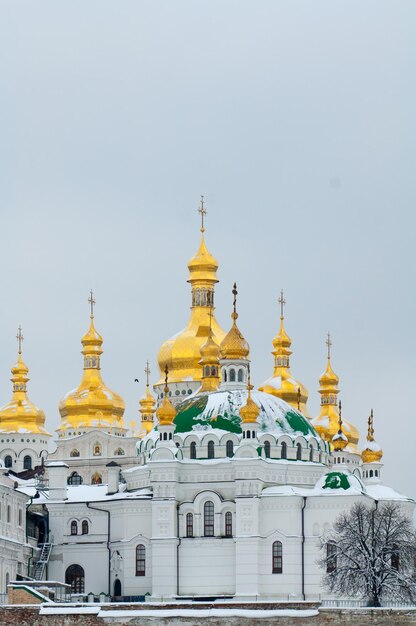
(339, 441)
(372, 453)
(92, 403)
(234, 346)
(249, 412)
(20, 415)
(166, 412)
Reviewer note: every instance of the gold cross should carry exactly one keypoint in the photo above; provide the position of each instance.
(147, 372)
(19, 338)
(329, 344)
(92, 302)
(202, 211)
(166, 376)
(282, 303)
(235, 292)
(340, 415)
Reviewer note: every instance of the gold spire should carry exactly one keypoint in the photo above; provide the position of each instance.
(147, 406)
(20, 415)
(250, 411)
(327, 421)
(166, 412)
(181, 353)
(372, 453)
(282, 384)
(92, 403)
(234, 346)
(339, 440)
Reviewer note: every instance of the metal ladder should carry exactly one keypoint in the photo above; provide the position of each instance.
(40, 565)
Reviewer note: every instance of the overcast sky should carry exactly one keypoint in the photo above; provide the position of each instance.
(297, 122)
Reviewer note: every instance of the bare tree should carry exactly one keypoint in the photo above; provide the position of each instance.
(371, 553)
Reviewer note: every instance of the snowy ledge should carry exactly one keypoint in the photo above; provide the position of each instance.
(200, 613)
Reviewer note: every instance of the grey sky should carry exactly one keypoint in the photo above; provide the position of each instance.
(297, 122)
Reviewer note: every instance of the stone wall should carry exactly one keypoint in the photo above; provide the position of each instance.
(29, 616)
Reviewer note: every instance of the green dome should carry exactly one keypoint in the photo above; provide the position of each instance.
(220, 410)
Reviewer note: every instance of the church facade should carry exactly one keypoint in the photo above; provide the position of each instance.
(223, 491)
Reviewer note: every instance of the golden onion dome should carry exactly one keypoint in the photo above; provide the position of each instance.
(326, 424)
(249, 412)
(166, 412)
(182, 352)
(92, 404)
(282, 384)
(147, 407)
(234, 346)
(372, 453)
(210, 351)
(210, 363)
(20, 415)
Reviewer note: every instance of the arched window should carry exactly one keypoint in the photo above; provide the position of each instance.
(74, 479)
(119, 452)
(84, 527)
(232, 375)
(248, 434)
(96, 479)
(27, 462)
(229, 448)
(75, 577)
(74, 527)
(211, 450)
(371, 473)
(277, 557)
(74, 453)
(311, 454)
(7, 581)
(20, 517)
(9, 513)
(283, 453)
(209, 519)
(214, 371)
(8, 461)
(224, 375)
(240, 376)
(267, 449)
(207, 370)
(140, 560)
(189, 525)
(298, 452)
(228, 524)
(331, 557)
(192, 450)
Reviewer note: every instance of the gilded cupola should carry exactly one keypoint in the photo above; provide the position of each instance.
(234, 346)
(166, 412)
(92, 404)
(20, 415)
(182, 352)
(249, 412)
(372, 452)
(327, 422)
(282, 384)
(147, 407)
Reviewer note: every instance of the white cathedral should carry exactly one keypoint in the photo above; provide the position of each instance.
(224, 491)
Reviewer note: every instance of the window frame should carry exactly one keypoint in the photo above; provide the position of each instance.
(277, 557)
(209, 519)
(140, 560)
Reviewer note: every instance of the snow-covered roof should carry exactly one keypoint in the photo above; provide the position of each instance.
(97, 493)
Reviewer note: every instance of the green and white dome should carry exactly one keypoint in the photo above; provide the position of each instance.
(221, 410)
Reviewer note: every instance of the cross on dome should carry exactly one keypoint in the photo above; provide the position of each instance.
(147, 372)
(329, 344)
(19, 338)
(202, 211)
(91, 301)
(282, 303)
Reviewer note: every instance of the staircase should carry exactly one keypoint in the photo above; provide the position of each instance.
(40, 565)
